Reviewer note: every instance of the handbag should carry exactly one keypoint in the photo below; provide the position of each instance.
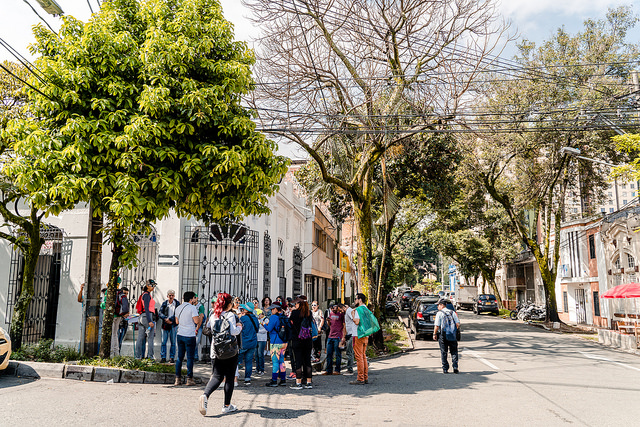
(314, 330)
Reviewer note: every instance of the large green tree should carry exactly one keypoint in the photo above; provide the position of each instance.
(26, 228)
(563, 96)
(140, 114)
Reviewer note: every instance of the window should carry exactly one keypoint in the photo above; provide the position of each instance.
(565, 302)
(630, 261)
(616, 264)
(321, 239)
(610, 195)
(603, 210)
(624, 201)
(596, 303)
(575, 210)
(592, 247)
(633, 194)
(632, 186)
(611, 210)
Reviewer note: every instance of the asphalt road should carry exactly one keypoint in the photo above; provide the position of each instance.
(511, 373)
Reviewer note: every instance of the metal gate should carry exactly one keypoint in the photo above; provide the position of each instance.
(266, 290)
(297, 271)
(42, 313)
(220, 258)
(146, 265)
(581, 313)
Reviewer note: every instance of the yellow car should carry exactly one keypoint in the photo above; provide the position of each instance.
(5, 349)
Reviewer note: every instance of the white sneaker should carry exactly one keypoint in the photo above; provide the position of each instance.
(202, 404)
(230, 408)
(235, 383)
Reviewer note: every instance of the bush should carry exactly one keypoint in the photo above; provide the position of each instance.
(45, 351)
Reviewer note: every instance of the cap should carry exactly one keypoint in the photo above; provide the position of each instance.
(443, 301)
(300, 298)
(275, 305)
(248, 306)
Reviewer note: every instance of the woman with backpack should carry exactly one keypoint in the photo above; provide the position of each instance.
(279, 330)
(223, 322)
(302, 342)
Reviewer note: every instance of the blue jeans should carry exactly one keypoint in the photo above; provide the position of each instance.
(260, 356)
(185, 345)
(171, 334)
(246, 356)
(122, 332)
(452, 346)
(332, 347)
(198, 338)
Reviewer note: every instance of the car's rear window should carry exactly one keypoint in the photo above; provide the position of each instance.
(487, 297)
(411, 293)
(434, 307)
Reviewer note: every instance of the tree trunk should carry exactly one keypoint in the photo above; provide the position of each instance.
(364, 224)
(31, 254)
(112, 288)
(386, 264)
(92, 298)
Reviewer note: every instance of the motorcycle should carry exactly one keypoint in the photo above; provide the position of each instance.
(392, 308)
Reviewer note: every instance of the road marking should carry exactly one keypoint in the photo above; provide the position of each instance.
(605, 359)
(480, 358)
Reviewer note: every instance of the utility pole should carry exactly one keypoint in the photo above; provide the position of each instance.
(91, 315)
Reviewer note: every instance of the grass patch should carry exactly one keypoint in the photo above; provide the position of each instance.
(505, 312)
(45, 351)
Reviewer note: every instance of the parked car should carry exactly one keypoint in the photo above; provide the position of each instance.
(423, 316)
(486, 303)
(407, 299)
(5, 349)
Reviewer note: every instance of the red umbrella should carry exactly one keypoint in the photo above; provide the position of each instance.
(628, 290)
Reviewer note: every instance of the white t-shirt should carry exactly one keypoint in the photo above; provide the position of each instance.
(352, 328)
(185, 314)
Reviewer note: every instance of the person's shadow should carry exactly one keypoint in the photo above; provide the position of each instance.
(271, 413)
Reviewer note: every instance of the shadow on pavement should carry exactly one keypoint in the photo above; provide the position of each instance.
(271, 413)
(7, 381)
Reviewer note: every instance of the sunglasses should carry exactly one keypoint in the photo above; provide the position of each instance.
(314, 305)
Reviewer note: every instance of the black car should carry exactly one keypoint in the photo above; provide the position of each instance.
(423, 316)
(407, 299)
(486, 303)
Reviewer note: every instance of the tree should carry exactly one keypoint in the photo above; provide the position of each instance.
(571, 84)
(26, 237)
(140, 114)
(476, 233)
(358, 78)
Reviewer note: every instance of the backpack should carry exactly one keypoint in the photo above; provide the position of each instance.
(140, 305)
(284, 330)
(305, 329)
(118, 308)
(449, 327)
(368, 323)
(223, 344)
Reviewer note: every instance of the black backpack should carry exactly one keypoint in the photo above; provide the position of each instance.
(284, 330)
(223, 344)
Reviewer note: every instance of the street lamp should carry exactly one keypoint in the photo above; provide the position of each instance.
(575, 152)
(51, 7)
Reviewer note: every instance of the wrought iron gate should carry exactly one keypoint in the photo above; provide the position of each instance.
(297, 270)
(581, 313)
(40, 322)
(220, 259)
(146, 265)
(266, 290)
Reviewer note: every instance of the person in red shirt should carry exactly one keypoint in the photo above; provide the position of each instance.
(337, 333)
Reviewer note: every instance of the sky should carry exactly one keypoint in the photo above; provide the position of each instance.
(534, 20)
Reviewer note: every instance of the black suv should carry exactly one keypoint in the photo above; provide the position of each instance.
(486, 303)
(423, 315)
(407, 299)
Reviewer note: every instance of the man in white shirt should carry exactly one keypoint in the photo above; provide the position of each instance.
(188, 321)
(352, 332)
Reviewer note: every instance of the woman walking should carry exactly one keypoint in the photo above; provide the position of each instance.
(302, 342)
(223, 369)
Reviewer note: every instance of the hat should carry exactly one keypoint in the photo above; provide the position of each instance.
(258, 311)
(300, 299)
(151, 282)
(248, 306)
(275, 305)
(443, 301)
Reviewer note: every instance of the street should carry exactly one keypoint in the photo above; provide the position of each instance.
(510, 373)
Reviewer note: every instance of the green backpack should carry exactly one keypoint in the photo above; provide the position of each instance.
(368, 323)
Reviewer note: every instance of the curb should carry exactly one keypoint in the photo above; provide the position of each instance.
(71, 371)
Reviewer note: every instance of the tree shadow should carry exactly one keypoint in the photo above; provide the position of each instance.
(7, 381)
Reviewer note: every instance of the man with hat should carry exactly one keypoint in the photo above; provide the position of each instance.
(278, 347)
(447, 323)
(250, 326)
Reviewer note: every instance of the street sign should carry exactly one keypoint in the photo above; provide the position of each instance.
(169, 260)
